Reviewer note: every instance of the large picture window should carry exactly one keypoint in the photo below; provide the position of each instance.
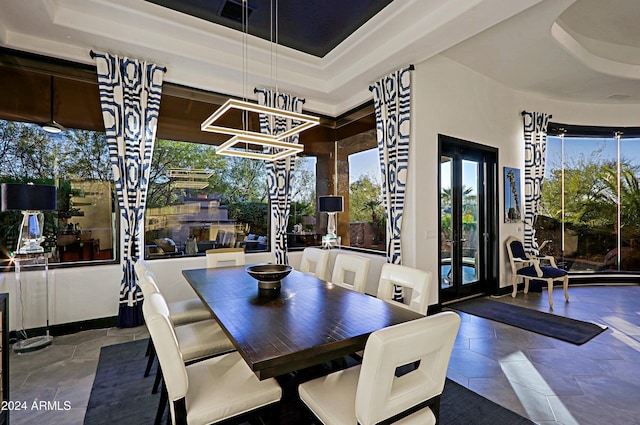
(591, 202)
(77, 163)
(198, 201)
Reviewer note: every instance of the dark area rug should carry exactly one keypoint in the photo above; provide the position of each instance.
(559, 327)
(121, 395)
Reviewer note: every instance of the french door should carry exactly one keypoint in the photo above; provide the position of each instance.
(468, 214)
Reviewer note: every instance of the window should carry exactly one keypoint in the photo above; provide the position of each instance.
(198, 200)
(590, 203)
(77, 163)
(303, 228)
(359, 181)
(179, 209)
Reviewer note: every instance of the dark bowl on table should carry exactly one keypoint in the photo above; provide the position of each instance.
(269, 275)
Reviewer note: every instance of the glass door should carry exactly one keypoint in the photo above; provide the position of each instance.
(467, 219)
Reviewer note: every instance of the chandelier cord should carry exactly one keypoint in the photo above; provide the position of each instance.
(245, 66)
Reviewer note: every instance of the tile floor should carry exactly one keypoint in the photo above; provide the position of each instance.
(62, 372)
(546, 380)
(551, 381)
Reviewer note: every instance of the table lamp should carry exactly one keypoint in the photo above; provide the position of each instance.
(31, 199)
(331, 205)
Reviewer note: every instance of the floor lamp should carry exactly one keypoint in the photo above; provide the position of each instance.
(31, 199)
(331, 205)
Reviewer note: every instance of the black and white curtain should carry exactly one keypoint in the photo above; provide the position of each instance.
(130, 92)
(535, 153)
(279, 172)
(392, 102)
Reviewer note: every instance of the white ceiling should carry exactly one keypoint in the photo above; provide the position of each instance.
(577, 50)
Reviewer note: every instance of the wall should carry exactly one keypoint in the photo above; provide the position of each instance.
(450, 99)
(84, 293)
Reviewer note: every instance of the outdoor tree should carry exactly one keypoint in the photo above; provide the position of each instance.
(365, 201)
(168, 155)
(593, 190)
(85, 156)
(243, 180)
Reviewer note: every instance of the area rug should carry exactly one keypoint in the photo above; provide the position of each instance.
(121, 395)
(559, 327)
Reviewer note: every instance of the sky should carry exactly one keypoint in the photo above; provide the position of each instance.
(365, 162)
(587, 147)
(469, 175)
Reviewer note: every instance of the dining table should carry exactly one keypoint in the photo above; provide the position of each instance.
(306, 322)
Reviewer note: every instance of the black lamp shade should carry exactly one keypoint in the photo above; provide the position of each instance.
(330, 204)
(23, 197)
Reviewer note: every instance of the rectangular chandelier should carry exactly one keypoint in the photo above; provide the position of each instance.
(299, 122)
(281, 149)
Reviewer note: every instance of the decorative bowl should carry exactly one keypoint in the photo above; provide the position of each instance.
(269, 275)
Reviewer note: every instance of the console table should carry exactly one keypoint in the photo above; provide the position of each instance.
(31, 264)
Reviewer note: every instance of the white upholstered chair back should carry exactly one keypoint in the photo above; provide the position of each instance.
(141, 268)
(146, 278)
(225, 257)
(380, 393)
(314, 261)
(356, 265)
(156, 316)
(418, 281)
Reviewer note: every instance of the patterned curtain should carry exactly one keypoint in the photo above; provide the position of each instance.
(279, 172)
(392, 101)
(535, 142)
(130, 93)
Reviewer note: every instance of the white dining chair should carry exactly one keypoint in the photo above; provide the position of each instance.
(314, 262)
(373, 392)
(181, 312)
(224, 257)
(209, 391)
(196, 341)
(351, 271)
(416, 281)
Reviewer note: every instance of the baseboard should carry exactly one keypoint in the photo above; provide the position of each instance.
(507, 290)
(68, 328)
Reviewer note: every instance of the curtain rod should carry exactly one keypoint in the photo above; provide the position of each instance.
(255, 90)
(411, 68)
(524, 112)
(93, 56)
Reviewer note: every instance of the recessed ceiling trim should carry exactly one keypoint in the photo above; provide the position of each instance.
(591, 60)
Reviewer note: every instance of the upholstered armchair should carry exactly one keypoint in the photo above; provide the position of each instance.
(529, 267)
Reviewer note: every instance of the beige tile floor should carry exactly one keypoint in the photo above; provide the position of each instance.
(546, 380)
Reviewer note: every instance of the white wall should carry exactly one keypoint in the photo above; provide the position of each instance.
(84, 293)
(450, 99)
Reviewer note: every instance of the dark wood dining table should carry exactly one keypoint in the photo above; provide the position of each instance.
(307, 323)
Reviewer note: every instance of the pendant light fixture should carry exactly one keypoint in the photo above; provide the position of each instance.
(52, 126)
(244, 136)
